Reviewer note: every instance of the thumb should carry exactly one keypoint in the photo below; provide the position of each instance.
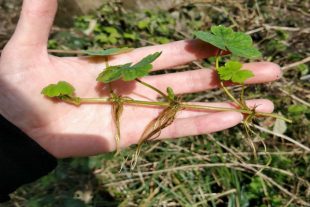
(35, 22)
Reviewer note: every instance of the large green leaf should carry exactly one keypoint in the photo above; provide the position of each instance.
(62, 88)
(238, 43)
(107, 52)
(128, 71)
(232, 71)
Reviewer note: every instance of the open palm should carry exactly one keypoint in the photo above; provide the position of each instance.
(66, 130)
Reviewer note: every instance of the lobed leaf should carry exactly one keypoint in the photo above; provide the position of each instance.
(107, 52)
(111, 74)
(128, 72)
(241, 76)
(140, 69)
(62, 88)
(224, 38)
(232, 71)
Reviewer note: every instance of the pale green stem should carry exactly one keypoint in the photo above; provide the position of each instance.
(183, 105)
(106, 59)
(152, 87)
(230, 95)
(242, 101)
(274, 116)
(217, 66)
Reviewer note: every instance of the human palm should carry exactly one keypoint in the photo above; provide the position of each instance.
(66, 130)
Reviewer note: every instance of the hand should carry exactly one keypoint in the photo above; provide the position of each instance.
(66, 130)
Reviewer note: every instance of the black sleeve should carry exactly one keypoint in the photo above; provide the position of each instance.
(21, 159)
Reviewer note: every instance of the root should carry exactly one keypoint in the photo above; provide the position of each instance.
(154, 128)
(117, 110)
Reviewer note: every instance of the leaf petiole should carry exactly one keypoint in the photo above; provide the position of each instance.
(217, 59)
(152, 87)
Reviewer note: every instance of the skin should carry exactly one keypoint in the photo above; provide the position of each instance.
(65, 130)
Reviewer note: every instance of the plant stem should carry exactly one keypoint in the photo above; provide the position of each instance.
(242, 101)
(95, 100)
(244, 109)
(274, 116)
(152, 87)
(106, 59)
(217, 66)
(183, 105)
(230, 95)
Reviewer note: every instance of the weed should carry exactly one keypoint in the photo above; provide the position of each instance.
(225, 39)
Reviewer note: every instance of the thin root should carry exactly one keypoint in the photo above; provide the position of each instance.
(154, 128)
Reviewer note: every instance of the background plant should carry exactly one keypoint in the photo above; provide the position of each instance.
(281, 27)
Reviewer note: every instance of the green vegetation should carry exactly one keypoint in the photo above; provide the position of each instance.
(232, 71)
(206, 170)
(59, 90)
(128, 72)
(237, 43)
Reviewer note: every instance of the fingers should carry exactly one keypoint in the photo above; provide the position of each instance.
(35, 22)
(203, 79)
(201, 124)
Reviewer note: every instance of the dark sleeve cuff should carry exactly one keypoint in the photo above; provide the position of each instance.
(21, 159)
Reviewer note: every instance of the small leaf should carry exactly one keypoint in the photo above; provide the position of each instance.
(108, 52)
(128, 71)
(232, 71)
(110, 74)
(147, 60)
(62, 88)
(241, 76)
(238, 43)
(297, 109)
(226, 72)
(170, 93)
(131, 74)
(140, 69)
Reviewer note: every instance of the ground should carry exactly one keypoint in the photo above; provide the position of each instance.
(200, 170)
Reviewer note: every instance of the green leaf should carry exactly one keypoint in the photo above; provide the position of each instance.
(241, 76)
(143, 23)
(297, 109)
(62, 88)
(130, 74)
(238, 43)
(107, 52)
(140, 69)
(232, 71)
(128, 71)
(110, 74)
(227, 72)
(147, 60)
